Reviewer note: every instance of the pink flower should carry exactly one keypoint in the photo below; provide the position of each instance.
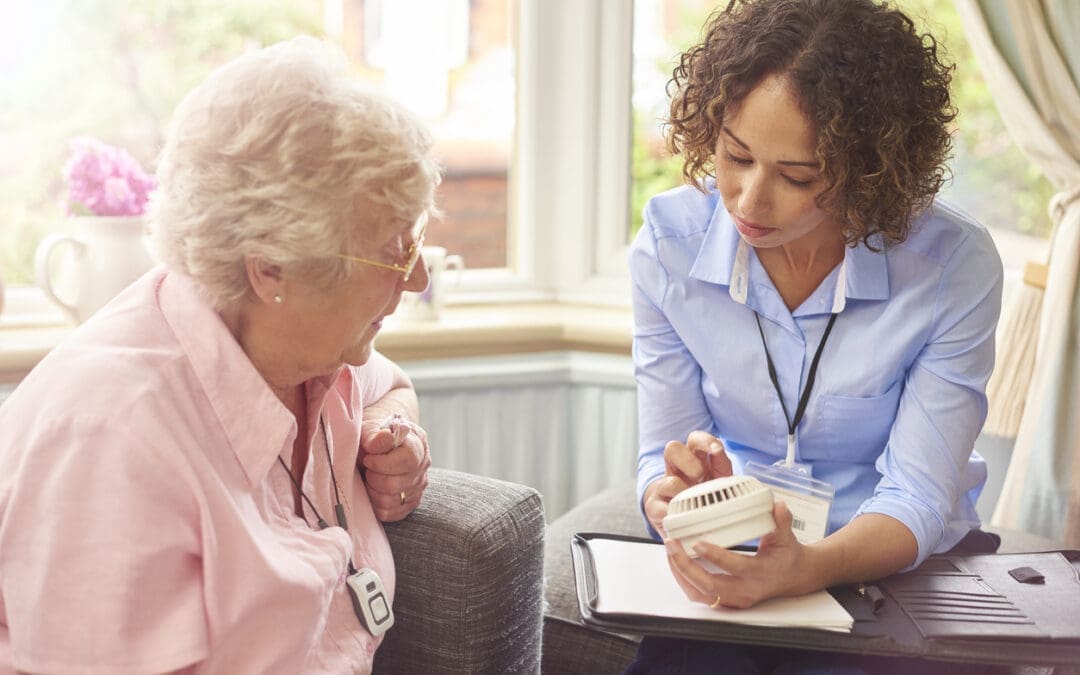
(105, 181)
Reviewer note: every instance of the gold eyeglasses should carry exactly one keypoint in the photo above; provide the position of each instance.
(412, 255)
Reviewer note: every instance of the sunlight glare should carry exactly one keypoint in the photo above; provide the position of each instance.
(23, 24)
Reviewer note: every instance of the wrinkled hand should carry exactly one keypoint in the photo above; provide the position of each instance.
(776, 570)
(396, 461)
(701, 458)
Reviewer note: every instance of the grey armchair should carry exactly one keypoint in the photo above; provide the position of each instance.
(469, 565)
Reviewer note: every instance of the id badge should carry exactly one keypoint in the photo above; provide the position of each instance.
(808, 499)
(369, 601)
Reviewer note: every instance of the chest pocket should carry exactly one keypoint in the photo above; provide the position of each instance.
(854, 428)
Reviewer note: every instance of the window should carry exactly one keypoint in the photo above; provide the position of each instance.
(991, 179)
(534, 122)
(528, 99)
(111, 70)
(662, 30)
(117, 70)
(455, 68)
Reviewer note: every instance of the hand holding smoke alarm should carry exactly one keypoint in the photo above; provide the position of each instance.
(724, 511)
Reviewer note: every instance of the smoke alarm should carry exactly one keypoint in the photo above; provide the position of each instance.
(723, 511)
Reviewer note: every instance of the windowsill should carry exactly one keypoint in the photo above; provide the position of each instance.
(462, 331)
(30, 326)
(509, 329)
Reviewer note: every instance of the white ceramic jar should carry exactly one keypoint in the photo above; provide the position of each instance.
(103, 256)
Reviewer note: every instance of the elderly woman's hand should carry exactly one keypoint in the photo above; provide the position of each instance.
(396, 460)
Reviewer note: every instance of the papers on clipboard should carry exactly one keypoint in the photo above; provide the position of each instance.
(633, 578)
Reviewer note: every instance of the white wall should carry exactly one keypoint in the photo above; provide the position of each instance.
(561, 422)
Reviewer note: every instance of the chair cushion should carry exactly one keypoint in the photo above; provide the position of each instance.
(569, 645)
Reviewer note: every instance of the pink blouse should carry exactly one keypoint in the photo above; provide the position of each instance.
(146, 524)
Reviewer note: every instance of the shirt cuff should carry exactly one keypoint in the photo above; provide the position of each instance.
(927, 527)
(644, 480)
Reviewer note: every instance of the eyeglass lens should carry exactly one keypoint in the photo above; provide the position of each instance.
(418, 243)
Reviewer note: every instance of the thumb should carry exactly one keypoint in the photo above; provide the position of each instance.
(719, 461)
(783, 534)
(374, 438)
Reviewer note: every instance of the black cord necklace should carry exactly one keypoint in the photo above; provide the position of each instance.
(369, 600)
(339, 510)
(793, 423)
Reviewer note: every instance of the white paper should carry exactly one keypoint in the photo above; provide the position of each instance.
(634, 578)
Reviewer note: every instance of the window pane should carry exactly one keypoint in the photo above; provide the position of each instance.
(991, 178)
(116, 70)
(109, 69)
(456, 68)
(662, 30)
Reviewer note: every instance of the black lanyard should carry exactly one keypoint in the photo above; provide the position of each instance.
(339, 510)
(805, 397)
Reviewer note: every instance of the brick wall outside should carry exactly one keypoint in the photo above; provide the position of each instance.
(474, 221)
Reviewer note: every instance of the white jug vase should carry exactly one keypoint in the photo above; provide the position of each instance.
(102, 256)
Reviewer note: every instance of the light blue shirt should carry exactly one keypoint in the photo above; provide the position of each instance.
(900, 391)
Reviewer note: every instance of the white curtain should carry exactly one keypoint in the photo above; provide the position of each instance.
(1029, 52)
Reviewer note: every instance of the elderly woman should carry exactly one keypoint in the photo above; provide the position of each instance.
(195, 479)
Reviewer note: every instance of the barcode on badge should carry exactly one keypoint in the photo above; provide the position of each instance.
(797, 524)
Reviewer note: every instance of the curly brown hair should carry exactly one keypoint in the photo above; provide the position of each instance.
(873, 87)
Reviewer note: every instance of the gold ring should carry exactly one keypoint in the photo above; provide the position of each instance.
(716, 603)
(403, 498)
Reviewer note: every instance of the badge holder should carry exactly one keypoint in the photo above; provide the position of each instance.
(808, 499)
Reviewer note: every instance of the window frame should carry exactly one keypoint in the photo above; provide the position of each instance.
(569, 175)
(573, 112)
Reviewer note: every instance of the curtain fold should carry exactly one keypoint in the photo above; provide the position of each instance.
(1027, 50)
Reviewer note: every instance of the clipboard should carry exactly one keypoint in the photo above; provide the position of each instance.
(951, 608)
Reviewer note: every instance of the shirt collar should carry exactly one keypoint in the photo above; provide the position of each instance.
(256, 423)
(867, 271)
(716, 259)
(724, 258)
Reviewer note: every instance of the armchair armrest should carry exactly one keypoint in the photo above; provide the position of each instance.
(469, 564)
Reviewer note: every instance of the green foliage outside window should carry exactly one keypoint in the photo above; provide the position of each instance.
(113, 70)
(991, 177)
(653, 170)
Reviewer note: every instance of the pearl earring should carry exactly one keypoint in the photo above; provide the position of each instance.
(278, 299)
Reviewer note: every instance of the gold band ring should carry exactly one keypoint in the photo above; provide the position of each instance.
(403, 498)
(716, 603)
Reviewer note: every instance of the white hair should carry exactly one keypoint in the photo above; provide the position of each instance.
(281, 154)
